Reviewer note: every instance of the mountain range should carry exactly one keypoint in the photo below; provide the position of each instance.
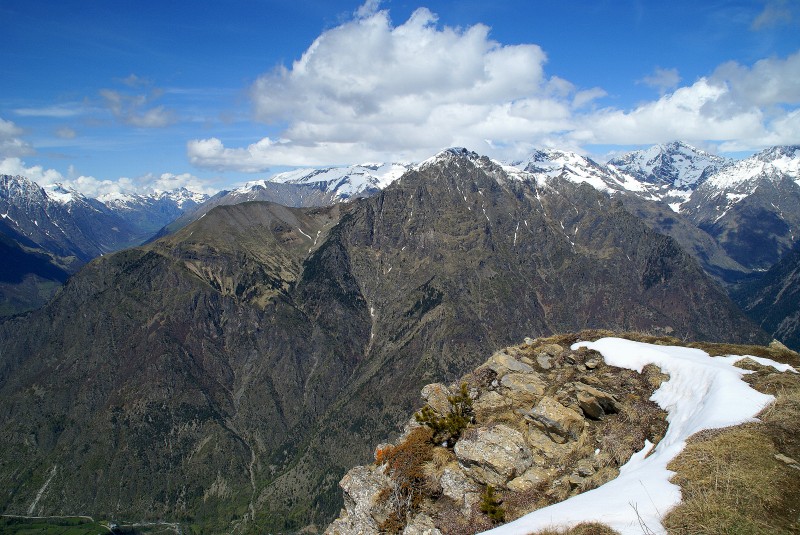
(226, 375)
(63, 229)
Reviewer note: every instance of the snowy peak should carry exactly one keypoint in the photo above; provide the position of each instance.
(785, 159)
(341, 182)
(770, 164)
(676, 164)
(18, 190)
(548, 164)
(63, 195)
(448, 155)
(124, 200)
(182, 198)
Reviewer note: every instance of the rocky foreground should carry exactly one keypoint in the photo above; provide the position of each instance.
(534, 425)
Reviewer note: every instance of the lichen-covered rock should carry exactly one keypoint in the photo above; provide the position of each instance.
(543, 427)
(503, 363)
(543, 448)
(488, 403)
(553, 350)
(455, 484)
(532, 477)
(584, 467)
(421, 524)
(436, 395)
(560, 423)
(494, 455)
(522, 387)
(365, 506)
(544, 361)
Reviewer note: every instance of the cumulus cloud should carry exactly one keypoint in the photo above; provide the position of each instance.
(768, 82)
(367, 89)
(371, 90)
(10, 142)
(15, 166)
(171, 181)
(744, 107)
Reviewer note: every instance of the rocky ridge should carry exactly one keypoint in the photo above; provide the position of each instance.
(546, 423)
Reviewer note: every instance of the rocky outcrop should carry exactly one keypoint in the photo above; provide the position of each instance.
(548, 422)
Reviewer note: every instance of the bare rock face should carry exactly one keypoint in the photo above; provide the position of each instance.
(494, 455)
(594, 402)
(528, 386)
(560, 423)
(436, 395)
(365, 490)
(490, 403)
(503, 363)
(422, 524)
(456, 485)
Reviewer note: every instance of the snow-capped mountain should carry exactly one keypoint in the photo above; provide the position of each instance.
(59, 220)
(752, 207)
(182, 198)
(549, 163)
(302, 188)
(676, 165)
(149, 213)
(340, 183)
(62, 226)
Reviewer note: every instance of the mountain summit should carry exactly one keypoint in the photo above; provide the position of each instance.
(676, 165)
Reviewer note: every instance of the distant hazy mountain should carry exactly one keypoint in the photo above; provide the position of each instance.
(149, 213)
(226, 376)
(71, 229)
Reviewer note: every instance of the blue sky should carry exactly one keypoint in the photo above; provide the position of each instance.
(108, 96)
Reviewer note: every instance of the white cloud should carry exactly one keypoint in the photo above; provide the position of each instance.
(170, 181)
(369, 90)
(662, 79)
(743, 107)
(10, 142)
(775, 13)
(768, 82)
(95, 187)
(58, 111)
(14, 166)
(134, 110)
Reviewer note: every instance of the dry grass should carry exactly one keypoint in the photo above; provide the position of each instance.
(586, 528)
(731, 480)
(450, 519)
(405, 464)
(778, 354)
(568, 339)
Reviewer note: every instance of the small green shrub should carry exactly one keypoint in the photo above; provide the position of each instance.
(447, 429)
(490, 505)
